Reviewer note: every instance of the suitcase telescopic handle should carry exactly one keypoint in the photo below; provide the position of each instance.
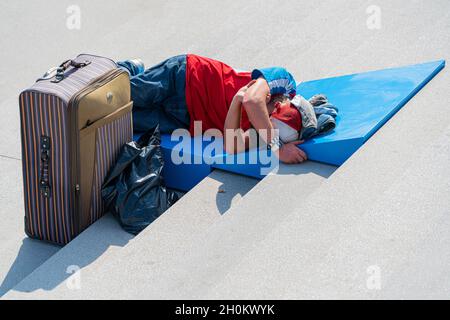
(59, 72)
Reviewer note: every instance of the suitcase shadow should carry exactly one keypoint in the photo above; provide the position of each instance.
(45, 266)
(31, 255)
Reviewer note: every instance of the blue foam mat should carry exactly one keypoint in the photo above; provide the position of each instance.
(365, 101)
(186, 174)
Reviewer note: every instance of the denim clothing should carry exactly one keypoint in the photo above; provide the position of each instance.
(318, 115)
(327, 109)
(133, 67)
(325, 123)
(309, 119)
(326, 113)
(318, 99)
(158, 95)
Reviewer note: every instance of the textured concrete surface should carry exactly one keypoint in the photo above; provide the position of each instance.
(97, 249)
(100, 240)
(387, 207)
(18, 255)
(401, 234)
(170, 239)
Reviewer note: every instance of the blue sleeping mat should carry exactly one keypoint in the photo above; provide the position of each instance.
(365, 101)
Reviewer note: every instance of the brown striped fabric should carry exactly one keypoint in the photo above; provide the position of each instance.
(47, 218)
(44, 112)
(109, 141)
(76, 79)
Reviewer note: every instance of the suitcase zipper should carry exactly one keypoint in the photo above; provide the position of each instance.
(75, 145)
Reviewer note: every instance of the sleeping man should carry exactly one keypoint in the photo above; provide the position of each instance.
(188, 88)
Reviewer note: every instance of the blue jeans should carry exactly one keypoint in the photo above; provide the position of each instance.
(158, 95)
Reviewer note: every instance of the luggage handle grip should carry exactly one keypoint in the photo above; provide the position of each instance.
(68, 63)
(58, 72)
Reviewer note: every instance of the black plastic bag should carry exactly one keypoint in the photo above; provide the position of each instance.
(134, 189)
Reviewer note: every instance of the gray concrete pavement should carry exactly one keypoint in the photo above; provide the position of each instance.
(19, 255)
(163, 246)
(99, 248)
(389, 201)
(394, 218)
(400, 237)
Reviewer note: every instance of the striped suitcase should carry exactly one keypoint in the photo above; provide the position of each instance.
(74, 121)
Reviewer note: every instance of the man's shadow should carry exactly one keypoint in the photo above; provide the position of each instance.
(308, 167)
(79, 253)
(233, 185)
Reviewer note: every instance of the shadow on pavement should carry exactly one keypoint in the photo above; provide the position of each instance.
(226, 194)
(79, 253)
(31, 255)
(308, 167)
(228, 190)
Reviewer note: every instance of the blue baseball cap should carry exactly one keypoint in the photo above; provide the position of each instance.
(280, 81)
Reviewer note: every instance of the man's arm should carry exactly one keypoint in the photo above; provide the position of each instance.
(255, 103)
(235, 140)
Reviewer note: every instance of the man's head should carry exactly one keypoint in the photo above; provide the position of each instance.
(285, 117)
(276, 101)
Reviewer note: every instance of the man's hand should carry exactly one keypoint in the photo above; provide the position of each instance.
(241, 93)
(289, 153)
